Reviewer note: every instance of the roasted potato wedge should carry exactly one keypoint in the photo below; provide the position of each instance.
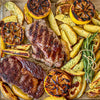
(28, 18)
(83, 87)
(64, 37)
(75, 88)
(2, 47)
(81, 32)
(20, 93)
(65, 19)
(96, 81)
(54, 98)
(60, 2)
(97, 67)
(65, 45)
(92, 93)
(96, 41)
(74, 73)
(79, 66)
(12, 7)
(63, 9)
(76, 48)
(7, 92)
(12, 18)
(16, 52)
(92, 28)
(21, 47)
(97, 14)
(98, 55)
(70, 33)
(53, 23)
(95, 21)
(70, 64)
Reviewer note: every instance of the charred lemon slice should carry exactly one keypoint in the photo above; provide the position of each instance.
(57, 83)
(12, 33)
(39, 8)
(82, 11)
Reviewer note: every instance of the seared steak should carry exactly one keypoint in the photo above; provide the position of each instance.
(27, 75)
(46, 45)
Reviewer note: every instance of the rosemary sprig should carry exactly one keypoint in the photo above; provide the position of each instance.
(88, 57)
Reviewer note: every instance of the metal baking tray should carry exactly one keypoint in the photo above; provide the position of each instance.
(20, 3)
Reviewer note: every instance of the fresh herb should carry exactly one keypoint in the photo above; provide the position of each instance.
(88, 57)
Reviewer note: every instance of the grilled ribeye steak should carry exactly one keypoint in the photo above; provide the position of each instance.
(27, 75)
(46, 45)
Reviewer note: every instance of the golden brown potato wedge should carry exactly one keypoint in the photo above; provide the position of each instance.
(2, 47)
(16, 52)
(76, 87)
(12, 7)
(65, 45)
(96, 41)
(63, 9)
(53, 23)
(98, 55)
(70, 64)
(12, 18)
(21, 47)
(20, 93)
(76, 48)
(97, 68)
(7, 92)
(96, 81)
(81, 32)
(60, 2)
(79, 66)
(72, 37)
(71, 72)
(64, 37)
(97, 14)
(83, 88)
(92, 28)
(65, 19)
(95, 21)
(92, 93)
(54, 98)
(28, 18)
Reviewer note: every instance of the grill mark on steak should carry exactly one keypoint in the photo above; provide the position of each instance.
(27, 75)
(40, 35)
(31, 29)
(47, 46)
(35, 31)
(46, 37)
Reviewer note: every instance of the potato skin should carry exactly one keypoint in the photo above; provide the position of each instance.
(12, 18)
(64, 37)
(65, 19)
(84, 84)
(76, 48)
(70, 64)
(70, 33)
(76, 80)
(81, 32)
(53, 23)
(15, 11)
(20, 93)
(95, 21)
(7, 92)
(92, 28)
